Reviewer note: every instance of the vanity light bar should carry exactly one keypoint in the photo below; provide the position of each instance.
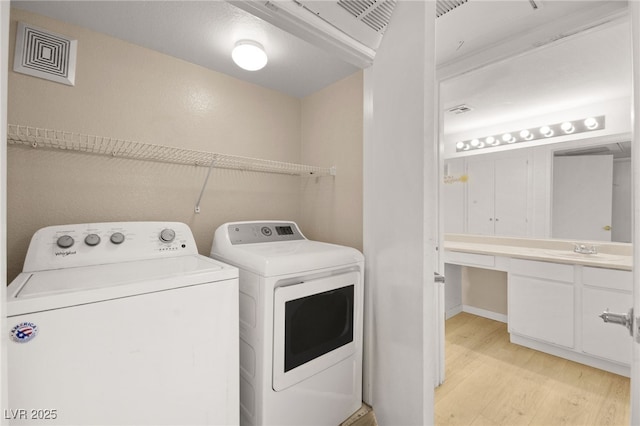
(588, 124)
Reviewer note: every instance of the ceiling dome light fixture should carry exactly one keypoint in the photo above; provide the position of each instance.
(249, 55)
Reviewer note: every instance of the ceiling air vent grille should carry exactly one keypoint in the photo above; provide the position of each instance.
(375, 13)
(444, 6)
(41, 53)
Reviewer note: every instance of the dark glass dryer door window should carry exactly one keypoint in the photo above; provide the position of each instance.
(317, 324)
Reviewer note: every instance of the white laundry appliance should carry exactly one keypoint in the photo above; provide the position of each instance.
(122, 324)
(301, 313)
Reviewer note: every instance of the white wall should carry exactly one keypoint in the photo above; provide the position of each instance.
(129, 92)
(400, 216)
(331, 208)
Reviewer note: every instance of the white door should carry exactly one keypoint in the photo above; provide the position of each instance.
(582, 197)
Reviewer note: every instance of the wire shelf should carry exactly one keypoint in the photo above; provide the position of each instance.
(100, 145)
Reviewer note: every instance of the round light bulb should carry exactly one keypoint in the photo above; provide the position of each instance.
(567, 127)
(460, 145)
(591, 123)
(490, 140)
(526, 135)
(546, 131)
(475, 142)
(508, 138)
(249, 55)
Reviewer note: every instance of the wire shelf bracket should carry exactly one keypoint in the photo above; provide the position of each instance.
(107, 146)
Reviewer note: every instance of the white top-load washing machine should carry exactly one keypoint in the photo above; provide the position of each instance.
(122, 323)
(301, 313)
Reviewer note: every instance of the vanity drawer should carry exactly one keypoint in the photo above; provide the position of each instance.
(544, 270)
(473, 259)
(614, 279)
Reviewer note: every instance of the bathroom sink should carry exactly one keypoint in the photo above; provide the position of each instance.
(562, 254)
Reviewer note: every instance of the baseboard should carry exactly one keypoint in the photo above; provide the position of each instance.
(484, 313)
(571, 355)
(452, 312)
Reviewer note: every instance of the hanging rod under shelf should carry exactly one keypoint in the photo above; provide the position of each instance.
(63, 140)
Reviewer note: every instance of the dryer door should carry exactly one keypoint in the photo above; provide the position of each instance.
(314, 327)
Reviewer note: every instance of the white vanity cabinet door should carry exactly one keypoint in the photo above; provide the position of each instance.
(606, 289)
(480, 196)
(541, 301)
(498, 195)
(511, 196)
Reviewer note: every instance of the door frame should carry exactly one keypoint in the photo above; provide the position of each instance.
(5, 9)
(634, 12)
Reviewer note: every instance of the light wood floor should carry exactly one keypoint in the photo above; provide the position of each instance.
(490, 381)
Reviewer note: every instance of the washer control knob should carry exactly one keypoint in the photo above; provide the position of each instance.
(65, 241)
(117, 238)
(167, 235)
(92, 240)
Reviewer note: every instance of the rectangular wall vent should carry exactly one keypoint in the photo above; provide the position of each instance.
(44, 54)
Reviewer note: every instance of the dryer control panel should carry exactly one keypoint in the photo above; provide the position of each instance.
(66, 246)
(263, 232)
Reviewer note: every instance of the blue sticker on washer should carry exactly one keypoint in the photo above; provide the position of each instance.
(24, 332)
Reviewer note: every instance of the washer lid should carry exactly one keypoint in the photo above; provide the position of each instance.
(44, 290)
(286, 257)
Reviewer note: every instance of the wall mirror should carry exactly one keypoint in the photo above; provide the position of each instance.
(586, 73)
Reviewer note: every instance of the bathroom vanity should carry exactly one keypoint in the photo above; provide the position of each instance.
(556, 292)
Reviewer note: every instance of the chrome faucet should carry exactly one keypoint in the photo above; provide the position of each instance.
(581, 248)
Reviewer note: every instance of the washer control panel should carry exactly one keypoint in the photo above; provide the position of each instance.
(66, 246)
(263, 232)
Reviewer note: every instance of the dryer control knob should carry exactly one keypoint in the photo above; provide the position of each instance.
(92, 240)
(117, 238)
(65, 241)
(167, 235)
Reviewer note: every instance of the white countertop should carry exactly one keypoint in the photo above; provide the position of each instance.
(609, 255)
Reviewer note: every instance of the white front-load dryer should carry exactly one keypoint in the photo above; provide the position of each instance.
(301, 316)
